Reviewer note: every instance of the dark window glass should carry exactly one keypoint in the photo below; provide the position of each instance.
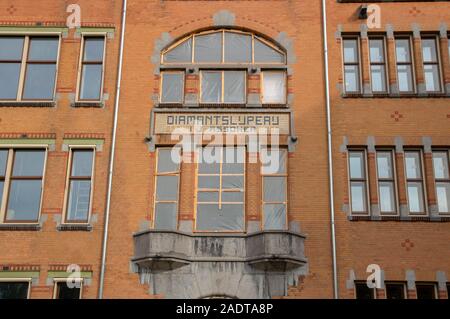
(363, 291)
(63, 291)
(395, 291)
(14, 290)
(426, 291)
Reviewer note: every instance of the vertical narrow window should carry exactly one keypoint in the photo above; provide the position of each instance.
(63, 290)
(274, 178)
(3, 162)
(442, 178)
(426, 291)
(414, 181)
(395, 291)
(362, 291)
(403, 56)
(167, 188)
(79, 191)
(351, 65)
(223, 87)
(377, 65)
(91, 80)
(14, 289)
(386, 182)
(11, 53)
(431, 65)
(172, 87)
(273, 87)
(358, 182)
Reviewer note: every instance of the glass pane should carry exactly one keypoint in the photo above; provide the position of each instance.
(357, 165)
(233, 160)
(351, 51)
(443, 197)
(168, 160)
(182, 53)
(364, 292)
(172, 88)
(9, 80)
(351, 78)
(402, 50)
(24, 200)
(166, 216)
(426, 291)
(238, 48)
(232, 197)
(432, 80)
(440, 164)
(3, 159)
(39, 81)
(413, 165)
(208, 47)
(167, 188)
(415, 197)
(274, 161)
(211, 91)
(2, 185)
(265, 53)
(358, 195)
(82, 163)
(208, 182)
(233, 182)
(43, 49)
(234, 86)
(274, 87)
(79, 199)
(405, 83)
(429, 53)
(11, 48)
(395, 291)
(229, 218)
(93, 49)
(387, 197)
(274, 216)
(28, 163)
(209, 163)
(91, 82)
(14, 290)
(384, 165)
(208, 197)
(274, 189)
(376, 51)
(378, 77)
(66, 292)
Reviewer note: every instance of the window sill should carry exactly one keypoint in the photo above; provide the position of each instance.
(74, 227)
(410, 218)
(27, 104)
(394, 96)
(20, 227)
(88, 104)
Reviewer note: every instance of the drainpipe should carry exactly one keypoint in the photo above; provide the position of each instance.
(330, 150)
(113, 147)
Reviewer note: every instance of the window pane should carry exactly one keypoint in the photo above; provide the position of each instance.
(65, 292)
(384, 165)
(172, 87)
(440, 164)
(93, 49)
(358, 195)
(14, 290)
(79, 199)
(432, 81)
(405, 83)
(443, 197)
(28, 163)
(229, 218)
(82, 163)
(425, 291)
(233, 182)
(274, 216)
(402, 50)
(415, 197)
(234, 87)
(182, 53)
(232, 197)
(363, 292)
(24, 200)
(91, 82)
(395, 291)
(43, 49)
(3, 159)
(387, 197)
(351, 78)
(351, 51)
(2, 185)
(274, 161)
(208, 47)
(209, 182)
(238, 48)
(40, 81)
(11, 48)
(209, 163)
(413, 165)
(274, 189)
(168, 160)
(274, 87)
(167, 188)
(9, 80)
(378, 77)
(211, 87)
(429, 50)
(357, 165)
(166, 216)
(208, 197)
(376, 51)
(265, 53)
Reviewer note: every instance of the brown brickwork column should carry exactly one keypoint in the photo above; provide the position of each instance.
(372, 179)
(187, 194)
(365, 71)
(253, 207)
(400, 170)
(391, 61)
(192, 89)
(254, 89)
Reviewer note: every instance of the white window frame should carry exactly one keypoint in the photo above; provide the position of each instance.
(393, 180)
(19, 280)
(411, 63)
(222, 100)
(57, 281)
(366, 181)
(438, 62)
(385, 65)
(424, 182)
(441, 180)
(343, 63)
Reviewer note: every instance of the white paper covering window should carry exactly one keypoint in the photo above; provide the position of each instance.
(274, 87)
(172, 90)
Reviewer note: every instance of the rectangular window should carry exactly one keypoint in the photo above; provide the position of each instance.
(405, 73)
(223, 87)
(172, 87)
(362, 291)
(386, 182)
(352, 75)
(426, 291)
(395, 290)
(377, 65)
(431, 66)
(414, 181)
(28, 66)
(273, 87)
(221, 189)
(14, 289)
(167, 186)
(65, 290)
(441, 167)
(358, 182)
(79, 185)
(91, 68)
(274, 199)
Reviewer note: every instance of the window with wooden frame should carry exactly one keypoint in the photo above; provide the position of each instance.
(377, 59)
(274, 172)
(431, 67)
(395, 290)
(79, 185)
(362, 291)
(351, 61)
(415, 182)
(426, 290)
(227, 87)
(65, 288)
(387, 193)
(273, 87)
(172, 87)
(441, 166)
(167, 188)
(13, 288)
(220, 200)
(405, 66)
(357, 168)
(91, 70)
(28, 67)
(21, 184)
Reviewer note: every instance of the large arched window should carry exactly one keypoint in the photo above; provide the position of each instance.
(223, 59)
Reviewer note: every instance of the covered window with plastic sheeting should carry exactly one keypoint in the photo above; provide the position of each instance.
(274, 188)
(167, 184)
(223, 87)
(273, 87)
(172, 87)
(220, 202)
